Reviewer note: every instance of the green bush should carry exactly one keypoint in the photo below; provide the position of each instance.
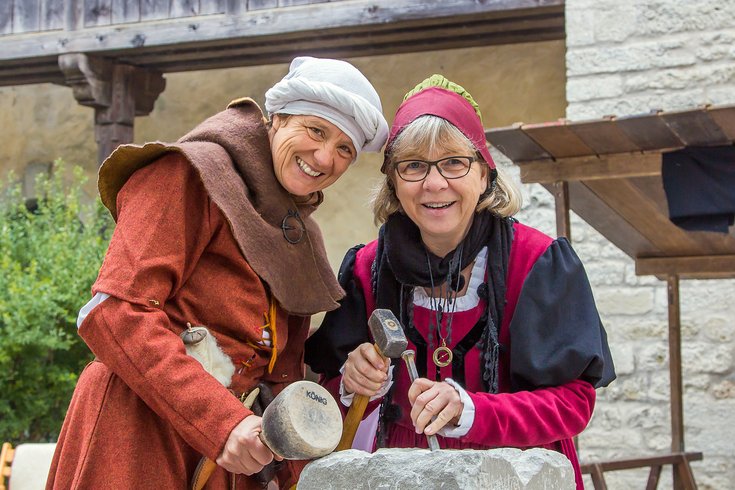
(50, 253)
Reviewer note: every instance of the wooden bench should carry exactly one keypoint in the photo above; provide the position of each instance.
(680, 462)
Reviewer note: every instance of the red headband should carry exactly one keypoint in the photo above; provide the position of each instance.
(448, 105)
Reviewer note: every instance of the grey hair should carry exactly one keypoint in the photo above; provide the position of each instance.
(424, 135)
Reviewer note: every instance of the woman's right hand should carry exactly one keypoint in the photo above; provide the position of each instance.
(244, 452)
(365, 371)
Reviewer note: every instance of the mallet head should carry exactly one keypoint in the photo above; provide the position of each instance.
(302, 422)
(387, 333)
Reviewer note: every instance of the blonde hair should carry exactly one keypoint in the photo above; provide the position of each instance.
(424, 135)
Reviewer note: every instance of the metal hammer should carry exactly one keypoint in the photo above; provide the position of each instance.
(389, 341)
(302, 422)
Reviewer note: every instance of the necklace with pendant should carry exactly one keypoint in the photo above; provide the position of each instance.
(443, 355)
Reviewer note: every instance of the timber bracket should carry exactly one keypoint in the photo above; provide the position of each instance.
(118, 92)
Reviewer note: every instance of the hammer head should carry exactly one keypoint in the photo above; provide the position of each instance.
(302, 422)
(387, 333)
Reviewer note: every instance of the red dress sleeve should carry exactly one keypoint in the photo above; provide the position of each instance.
(165, 221)
(531, 418)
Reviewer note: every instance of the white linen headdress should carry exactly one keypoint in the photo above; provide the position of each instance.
(336, 91)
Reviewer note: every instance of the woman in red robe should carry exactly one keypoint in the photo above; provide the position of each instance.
(214, 245)
(509, 344)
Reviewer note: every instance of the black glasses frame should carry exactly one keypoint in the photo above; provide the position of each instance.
(435, 163)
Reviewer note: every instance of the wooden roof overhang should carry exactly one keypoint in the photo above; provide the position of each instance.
(611, 168)
(608, 171)
(183, 35)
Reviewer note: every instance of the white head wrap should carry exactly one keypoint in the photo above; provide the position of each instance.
(336, 91)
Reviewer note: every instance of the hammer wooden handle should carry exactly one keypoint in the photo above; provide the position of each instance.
(352, 421)
(354, 416)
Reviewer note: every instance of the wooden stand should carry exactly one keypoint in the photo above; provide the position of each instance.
(679, 462)
(682, 473)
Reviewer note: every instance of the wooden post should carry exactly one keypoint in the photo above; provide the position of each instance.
(564, 228)
(113, 125)
(675, 376)
(561, 204)
(117, 92)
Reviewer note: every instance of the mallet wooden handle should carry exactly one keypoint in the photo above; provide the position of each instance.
(354, 416)
(206, 466)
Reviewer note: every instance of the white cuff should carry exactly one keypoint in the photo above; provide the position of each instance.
(87, 309)
(346, 398)
(465, 420)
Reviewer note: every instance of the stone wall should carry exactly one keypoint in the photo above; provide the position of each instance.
(626, 57)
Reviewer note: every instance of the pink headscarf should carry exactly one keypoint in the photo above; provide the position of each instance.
(442, 103)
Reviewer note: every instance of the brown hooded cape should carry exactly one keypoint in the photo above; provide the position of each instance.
(231, 152)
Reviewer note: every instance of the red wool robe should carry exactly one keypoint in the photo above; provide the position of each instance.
(144, 412)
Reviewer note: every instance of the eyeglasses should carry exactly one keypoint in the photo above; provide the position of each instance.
(414, 170)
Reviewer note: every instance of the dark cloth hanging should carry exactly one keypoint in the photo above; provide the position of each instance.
(700, 187)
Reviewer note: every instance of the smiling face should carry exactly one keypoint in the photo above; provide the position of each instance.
(442, 209)
(309, 153)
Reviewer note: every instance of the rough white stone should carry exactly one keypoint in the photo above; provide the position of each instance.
(635, 57)
(624, 301)
(505, 468)
(577, 23)
(706, 357)
(718, 329)
(623, 359)
(648, 417)
(724, 389)
(615, 22)
(608, 273)
(595, 87)
(637, 329)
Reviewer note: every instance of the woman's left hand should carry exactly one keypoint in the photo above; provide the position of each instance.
(433, 399)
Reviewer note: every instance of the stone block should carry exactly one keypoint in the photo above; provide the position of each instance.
(504, 468)
(628, 301)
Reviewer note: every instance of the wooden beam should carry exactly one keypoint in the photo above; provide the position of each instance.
(642, 212)
(356, 15)
(391, 37)
(641, 462)
(606, 221)
(704, 267)
(591, 167)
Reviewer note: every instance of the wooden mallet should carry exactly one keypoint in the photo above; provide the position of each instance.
(389, 341)
(302, 422)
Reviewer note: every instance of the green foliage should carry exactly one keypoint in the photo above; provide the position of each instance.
(49, 258)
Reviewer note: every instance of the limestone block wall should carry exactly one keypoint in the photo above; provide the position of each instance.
(627, 57)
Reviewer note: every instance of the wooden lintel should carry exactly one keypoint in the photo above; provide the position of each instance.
(704, 267)
(614, 166)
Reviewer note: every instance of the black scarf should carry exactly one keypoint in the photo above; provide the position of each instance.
(401, 264)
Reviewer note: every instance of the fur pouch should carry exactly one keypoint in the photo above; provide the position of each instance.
(202, 346)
